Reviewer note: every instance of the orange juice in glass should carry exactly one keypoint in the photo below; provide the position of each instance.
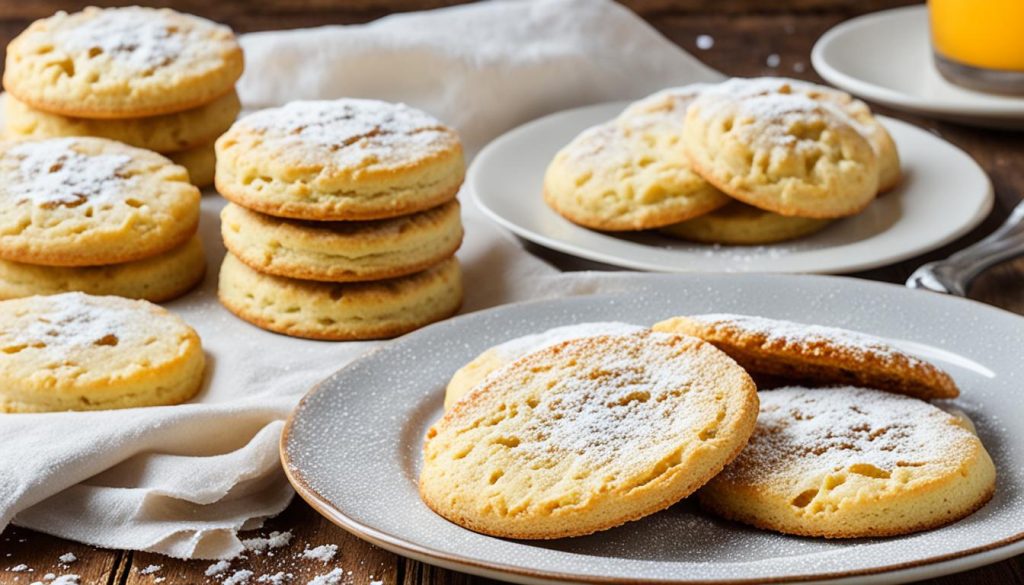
(979, 43)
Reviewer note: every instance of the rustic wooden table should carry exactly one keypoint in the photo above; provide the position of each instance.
(745, 33)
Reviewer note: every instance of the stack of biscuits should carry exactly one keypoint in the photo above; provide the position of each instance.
(98, 216)
(342, 222)
(585, 427)
(744, 162)
(151, 78)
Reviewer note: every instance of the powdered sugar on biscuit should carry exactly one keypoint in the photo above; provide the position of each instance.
(52, 173)
(358, 132)
(137, 39)
(803, 431)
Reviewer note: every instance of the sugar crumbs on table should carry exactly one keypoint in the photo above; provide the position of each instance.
(67, 558)
(323, 553)
(159, 579)
(67, 580)
(150, 569)
(49, 576)
(238, 578)
(705, 42)
(280, 578)
(217, 568)
(22, 568)
(259, 545)
(773, 60)
(799, 67)
(332, 578)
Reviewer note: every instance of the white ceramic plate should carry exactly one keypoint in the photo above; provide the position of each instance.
(886, 57)
(352, 448)
(944, 194)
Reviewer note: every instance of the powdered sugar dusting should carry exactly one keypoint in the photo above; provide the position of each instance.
(137, 39)
(77, 321)
(52, 174)
(358, 132)
(804, 431)
(323, 553)
(335, 577)
(777, 331)
(515, 348)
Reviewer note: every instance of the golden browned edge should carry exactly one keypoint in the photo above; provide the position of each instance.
(763, 202)
(399, 545)
(305, 273)
(759, 242)
(660, 220)
(185, 287)
(749, 421)
(82, 260)
(294, 210)
(123, 114)
(377, 332)
(920, 527)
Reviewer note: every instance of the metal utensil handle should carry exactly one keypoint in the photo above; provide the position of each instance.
(955, 273)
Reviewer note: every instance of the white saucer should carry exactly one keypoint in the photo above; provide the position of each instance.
(944, 194)
(886, 57)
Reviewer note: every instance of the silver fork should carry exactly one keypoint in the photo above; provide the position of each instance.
(954, 274)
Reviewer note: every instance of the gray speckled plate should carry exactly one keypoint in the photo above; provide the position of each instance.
(352, 447)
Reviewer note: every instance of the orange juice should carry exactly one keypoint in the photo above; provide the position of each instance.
(986, 34)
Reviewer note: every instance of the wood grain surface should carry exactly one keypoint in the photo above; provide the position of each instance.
(746, 32)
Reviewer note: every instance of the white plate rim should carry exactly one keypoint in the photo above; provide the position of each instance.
(893, 98)
(482, 160)
(896, 573)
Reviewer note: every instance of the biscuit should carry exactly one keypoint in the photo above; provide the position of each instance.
(91, 201)
(587, 435)
(348, 159)
(631, 173)
(499, 356)
(739, 224)
(121, 63)
(852, 462)
(350, 311)
(159, 278)
(815, 355)
(781, 152)
(167, 133)
(889, 174)
(200, 162)
(342, 251)
(74, 351)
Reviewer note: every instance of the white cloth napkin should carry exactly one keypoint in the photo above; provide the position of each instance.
(183, 480)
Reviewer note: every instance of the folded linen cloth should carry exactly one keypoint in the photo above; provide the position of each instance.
(183, 480)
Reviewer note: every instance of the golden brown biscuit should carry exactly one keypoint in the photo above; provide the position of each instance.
(78, 352)
(739, 224)
(157, 279)
(91, 201)
(121, 63)
(345, 160)
(782, 152)
(851, 463)
(342, 251)
(587, 435)
(348, 311)
(815, 355)
(200, 162)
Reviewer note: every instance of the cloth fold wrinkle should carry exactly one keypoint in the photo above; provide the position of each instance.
(183, 480)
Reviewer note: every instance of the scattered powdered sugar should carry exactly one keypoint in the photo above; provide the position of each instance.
(53, 174)
(323, 553)
(358, 132)
(773, 60)
(137, 39)
(705, 42)
(218, 568)
(515, 348)
(22, 568)
(67, 580)
(805, 430)
(150, 569)
(67, 558)
(49, 576)
(333, 578)
(77, 322)
(275, 540)
(279, 578)
(238, 578)
(777, 331)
